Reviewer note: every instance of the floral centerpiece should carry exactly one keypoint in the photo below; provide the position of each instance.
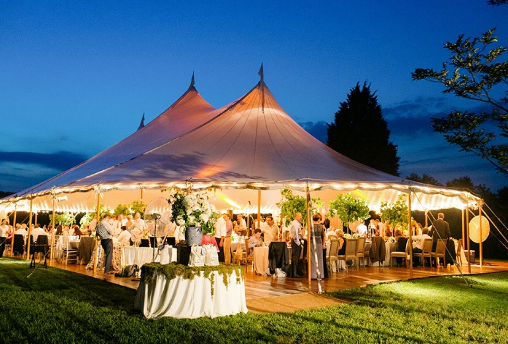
(192, 210)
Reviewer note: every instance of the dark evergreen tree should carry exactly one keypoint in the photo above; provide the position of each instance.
(425, 179)
(361, 133)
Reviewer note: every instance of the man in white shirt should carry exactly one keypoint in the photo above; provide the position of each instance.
(37, 231)
(270, 230)
(125, 237)
(295, 229)
(220, 235)
(362, 229)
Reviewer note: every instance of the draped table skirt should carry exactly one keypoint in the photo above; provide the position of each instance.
(142, 255)
(191, 298)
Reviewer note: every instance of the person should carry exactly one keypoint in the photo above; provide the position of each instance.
(242, 225)
(270, 230)
(227, 239)
(117, 225)
(255, 240)
(21, 230)
(4, 228)
(295, 233)
(59, 230)
(440, 230)
(107, 244)
(77, 231)
(125, 237)
(220, 235)
(418, 243)
(37, 231)
(362, 228)
(138, 222)
(316, 247)
(342, 247)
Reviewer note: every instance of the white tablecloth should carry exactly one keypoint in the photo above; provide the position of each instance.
(141, 255)
(185, 298)
(261, 260)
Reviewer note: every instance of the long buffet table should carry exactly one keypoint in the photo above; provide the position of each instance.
(182, 297)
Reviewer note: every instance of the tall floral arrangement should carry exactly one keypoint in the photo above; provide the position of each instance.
(192, 210)
(396, 213)
(348, 208)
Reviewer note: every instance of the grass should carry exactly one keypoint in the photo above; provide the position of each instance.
(57, 306)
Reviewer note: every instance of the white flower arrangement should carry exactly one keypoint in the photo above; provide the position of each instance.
(192, 209)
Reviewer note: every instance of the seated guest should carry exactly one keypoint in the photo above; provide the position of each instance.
(255, 240)
(37, 231)
(418, 242)
(362, 228)
(125, 237)
(77, 231)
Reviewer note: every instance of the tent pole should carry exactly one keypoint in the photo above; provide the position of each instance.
(96, 239)
(410, 236)
(258, 225)
(29, 229)
(467, 238)
(426, 219)
(53, 230)
(307, 225)
(141, 190)
(481, 234)
(13, 229)
(463, 230)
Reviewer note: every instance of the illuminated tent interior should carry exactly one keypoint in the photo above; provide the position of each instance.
(248, 145)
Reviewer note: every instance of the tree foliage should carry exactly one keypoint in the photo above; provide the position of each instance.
(396, 213)
(425, 179)
(474, 73)
(349, 209)
(291, 204)
(361, 133)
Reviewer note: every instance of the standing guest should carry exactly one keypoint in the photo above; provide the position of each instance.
(107, 244)
(125, 237)
(227, 239)
(241, 222)
(129, 224)
(220, 235)
(117, 225)
(255, 240)
(440, 230)
(316, 246)
(270, 230)
(4, 228)
(295, 233)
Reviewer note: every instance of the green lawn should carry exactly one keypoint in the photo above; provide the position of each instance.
(56, 306)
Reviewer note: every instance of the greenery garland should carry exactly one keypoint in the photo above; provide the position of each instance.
(170, 271)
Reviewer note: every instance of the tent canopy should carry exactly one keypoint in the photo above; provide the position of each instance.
(250, 143)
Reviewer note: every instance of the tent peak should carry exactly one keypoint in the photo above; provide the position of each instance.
(142, 124)
(191, 87)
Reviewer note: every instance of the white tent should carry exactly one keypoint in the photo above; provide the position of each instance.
(250, 144)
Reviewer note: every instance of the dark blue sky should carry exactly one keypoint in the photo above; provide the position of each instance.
(76, 76)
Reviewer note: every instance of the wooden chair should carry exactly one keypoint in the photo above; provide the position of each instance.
(360, 251)
(249, 258)
(401, 254)
(332, 256)
(350, 253)
(426, 251)
(440, 250)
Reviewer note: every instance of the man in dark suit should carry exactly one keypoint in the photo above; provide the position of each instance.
(440, 230)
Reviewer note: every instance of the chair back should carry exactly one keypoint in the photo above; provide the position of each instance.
(332, 237)
(361, 245)
(333, 251)
(144, 243)
(42, 240)
(427, 246)
(247, 247)
(441, 247)
(351, 245)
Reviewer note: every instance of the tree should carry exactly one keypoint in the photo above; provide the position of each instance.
(361, 133)
(473, 73)
(425, 179)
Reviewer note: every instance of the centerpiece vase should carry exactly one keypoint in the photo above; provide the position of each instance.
(193, 236)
